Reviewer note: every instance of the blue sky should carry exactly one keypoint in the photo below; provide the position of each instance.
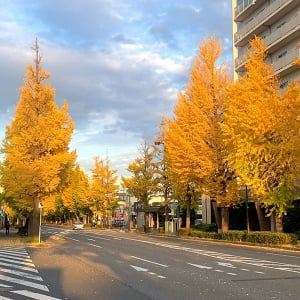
(118, 63)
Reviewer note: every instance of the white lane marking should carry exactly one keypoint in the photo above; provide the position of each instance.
(67, 237)
(94, 236)
(149, 261)
(5, 298)
(34, 295)
(139, 269)
(17, 262)
(117, 239)
(258, 272)
(24, 282)
(238, 259)
(228, 265)
(92, 240)
(247, 270)
(200, 266)
(22, 274)
(57, 238)
(233, 274)
(101, 238)
(283, 255)
(95, 245)
(217, 270)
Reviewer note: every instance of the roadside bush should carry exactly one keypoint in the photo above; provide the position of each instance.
(184, 232)
(234, 235)
(161, 230)
(206, 227)
(206, 235)
(256, 237)
(271, 238)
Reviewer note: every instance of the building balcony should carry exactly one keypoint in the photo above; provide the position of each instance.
(266, 18)
(285, 64)
(281, 66)
(282, 36)
(241, 8)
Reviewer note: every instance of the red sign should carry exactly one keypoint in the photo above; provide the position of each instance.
(119, 215)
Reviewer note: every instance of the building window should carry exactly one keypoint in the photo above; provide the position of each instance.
(284, 84)
(260, 11)
(280, 25)
(282, 54)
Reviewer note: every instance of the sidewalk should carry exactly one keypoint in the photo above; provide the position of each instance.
(12, 239)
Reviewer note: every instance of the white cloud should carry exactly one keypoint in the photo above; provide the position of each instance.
(119, 64)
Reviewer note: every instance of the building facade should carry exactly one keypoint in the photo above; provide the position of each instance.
(277, 22)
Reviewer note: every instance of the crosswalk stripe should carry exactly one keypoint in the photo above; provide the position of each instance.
(14, 250)
(17, 262)
(16, 257)
(34, 295)
(23, 274)
(24, 282)
(19, 267)
(5, 285)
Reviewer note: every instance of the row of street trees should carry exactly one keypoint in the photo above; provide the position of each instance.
(38, 165)
(224, 136)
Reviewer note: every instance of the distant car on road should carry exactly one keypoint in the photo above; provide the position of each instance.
(198, 222)
(77, 225)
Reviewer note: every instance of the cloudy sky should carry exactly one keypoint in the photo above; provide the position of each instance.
(118, 63)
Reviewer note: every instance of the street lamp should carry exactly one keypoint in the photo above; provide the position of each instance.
(247, 208)
(128, 211)
(160, 141)
(40, 226)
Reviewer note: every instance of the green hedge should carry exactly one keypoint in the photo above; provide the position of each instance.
(258, 237)
(272, 238)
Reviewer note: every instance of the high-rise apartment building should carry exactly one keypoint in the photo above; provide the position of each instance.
(277, 22)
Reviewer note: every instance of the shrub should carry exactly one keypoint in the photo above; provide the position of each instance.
(206, 227)
(257, 237)
(271, 238)
(234, 235)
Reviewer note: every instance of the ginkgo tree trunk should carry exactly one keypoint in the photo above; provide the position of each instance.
(37, 158)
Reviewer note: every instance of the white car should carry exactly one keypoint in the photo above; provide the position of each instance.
(77, 225)
(198, 222)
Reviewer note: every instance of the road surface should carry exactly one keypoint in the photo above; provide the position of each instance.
(105, 264)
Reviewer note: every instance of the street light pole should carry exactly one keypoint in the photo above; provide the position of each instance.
(40, 225)
(128, 212)
(247, 208)
(158, 142)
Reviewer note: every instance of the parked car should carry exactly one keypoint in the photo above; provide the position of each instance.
(77, 225)
(198, 222)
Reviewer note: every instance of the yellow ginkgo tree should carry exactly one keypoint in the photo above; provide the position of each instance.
(263, 133)
(103, 189)
(37, 159)
(194, 138)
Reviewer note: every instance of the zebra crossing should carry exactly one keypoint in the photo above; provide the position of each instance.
(19, 279)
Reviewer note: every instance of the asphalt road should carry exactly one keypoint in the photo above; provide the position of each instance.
(104, 264)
